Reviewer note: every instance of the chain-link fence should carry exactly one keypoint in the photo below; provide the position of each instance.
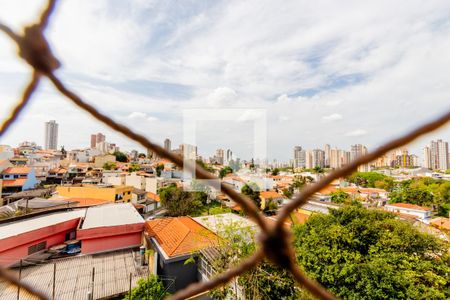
(274, 239)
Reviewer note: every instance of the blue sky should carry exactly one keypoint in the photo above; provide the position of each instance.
(325, 72)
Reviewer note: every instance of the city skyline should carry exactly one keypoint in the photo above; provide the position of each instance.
(435, 153)
(341, 84)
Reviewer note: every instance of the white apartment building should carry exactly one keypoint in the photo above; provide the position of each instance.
(51, 135)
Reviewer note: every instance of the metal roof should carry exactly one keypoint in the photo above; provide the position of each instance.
(26, 225)
(114, 214)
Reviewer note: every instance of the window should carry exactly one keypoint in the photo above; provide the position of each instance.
(70, 235)
(37, 247)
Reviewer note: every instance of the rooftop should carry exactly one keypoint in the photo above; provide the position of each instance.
(217, 223)
(409, 206)
(111, 215)
(16, 170)
(269, 194)
(180, 236)
(26, 225)
(73, 276)
(14, 182)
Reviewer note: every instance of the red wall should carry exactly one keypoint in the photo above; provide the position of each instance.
(110, 238)
(14, 248)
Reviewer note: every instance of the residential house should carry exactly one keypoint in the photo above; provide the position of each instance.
(175, 240)
(17, 179)
(420, 212)
(56, 175)
(267, 196)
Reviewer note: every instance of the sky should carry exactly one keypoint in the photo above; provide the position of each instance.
(317, 72)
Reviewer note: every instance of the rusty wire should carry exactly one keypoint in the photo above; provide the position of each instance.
(274, 240)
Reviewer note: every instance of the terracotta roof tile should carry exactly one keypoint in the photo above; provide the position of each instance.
(14, 182)
(180, 236)
(269, 194)
(17, 170)
(153, 196)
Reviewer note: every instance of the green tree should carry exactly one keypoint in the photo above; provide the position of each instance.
(120, 156)
(224, 171)
(358, 253)
(372, 180)
(271, 206)
(205, 166)
(148, 288)
(251, 190)
(181, 203)
(109, 165)
(134, 167)
(265, 281)
(340, 196)
(159, 169)
(275, 172)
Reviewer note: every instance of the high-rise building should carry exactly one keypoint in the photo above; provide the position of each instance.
(436, 156)
(219, 157)
(318, 158)
(299, 157)
(188, 151)
(356, 151)
(228, 157)
(96, 139)
(327, 155)
(51, 135)
(167, 144)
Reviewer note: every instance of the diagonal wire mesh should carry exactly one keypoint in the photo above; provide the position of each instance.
(274, 240)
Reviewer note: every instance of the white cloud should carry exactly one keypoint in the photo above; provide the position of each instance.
(332, 117)
(385, 65)
(357, 132)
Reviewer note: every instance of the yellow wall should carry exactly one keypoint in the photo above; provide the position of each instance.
(100, 160)
(94, 192)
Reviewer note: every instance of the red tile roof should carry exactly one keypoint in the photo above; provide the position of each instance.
(409, 206)
(180, 236)
(17, 170)
(57, 170)
(441, 223)
(270, 194)
(14, 182)
(153, 196)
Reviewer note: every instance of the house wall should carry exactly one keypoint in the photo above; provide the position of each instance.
(114, 180)
(420, 214)
(14, 248)
(31, 180)
(151, 184)
(108, 194)
(184, 274)
(136, 181)
(110, 238)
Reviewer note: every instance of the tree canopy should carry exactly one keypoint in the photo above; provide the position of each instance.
(148, 288)
(224, 171)
(251, 190)
(265, 281)
(340, 196)
(423, 191)
(120, 156)
(372, 180)
(358, 253)
(181, 203)
(109, 165)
